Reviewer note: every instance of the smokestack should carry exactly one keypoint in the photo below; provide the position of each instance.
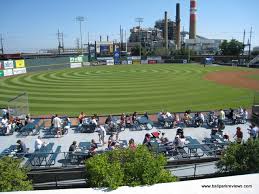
(178, 26)
(193, 10)
(166, 31)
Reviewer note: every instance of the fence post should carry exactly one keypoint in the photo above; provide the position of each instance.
(194, 174)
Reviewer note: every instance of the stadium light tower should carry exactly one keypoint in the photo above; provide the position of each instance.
(139, 20)
(80, 19)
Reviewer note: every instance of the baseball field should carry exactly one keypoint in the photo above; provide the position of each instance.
(129, 88)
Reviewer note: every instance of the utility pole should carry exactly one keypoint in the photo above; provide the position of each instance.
(60, 42)
(139, 20)
(80, 19)
(250, 42)
(2, 46)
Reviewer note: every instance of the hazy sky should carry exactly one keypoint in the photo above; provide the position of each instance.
(29, 25)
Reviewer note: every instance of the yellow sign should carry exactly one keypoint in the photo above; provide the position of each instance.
(19, 63)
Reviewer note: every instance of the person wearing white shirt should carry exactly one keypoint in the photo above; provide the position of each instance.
(38, 143)
(253, 131)
(101, 133)
(245, 114)
(222, 115)
(57, 125)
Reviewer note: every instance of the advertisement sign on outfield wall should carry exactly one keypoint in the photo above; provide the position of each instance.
(1, 73)
(110, 62)
(8, 72)
(78, 59)
(19, 64)
(8, 64)
(75, 65)
(129, 62)
(18, 71)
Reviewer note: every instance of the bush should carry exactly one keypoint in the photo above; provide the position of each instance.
(12, 176)
(240, 158)
(126, 167)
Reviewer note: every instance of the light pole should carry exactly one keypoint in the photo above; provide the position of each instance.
(139, 20)
(80, 19)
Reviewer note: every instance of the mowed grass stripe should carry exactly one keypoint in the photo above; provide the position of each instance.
(121, 88)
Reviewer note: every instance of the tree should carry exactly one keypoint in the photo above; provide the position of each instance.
(12, 176)
(233, 48)
(240, 158)
(126, 167)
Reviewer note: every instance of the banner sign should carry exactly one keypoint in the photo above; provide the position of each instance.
(19, 64)
(92, 52)
(1, 73)
(152, 61)
(110, 62)
(104, 58)
(8, 64)
(116, 56)
(155, 58)
(8, 72)
(104, 48)
(78, 59)
(124, 62)
(75, 65)
(136, 61)
(129, 62)
(144, 61)
(19, 71)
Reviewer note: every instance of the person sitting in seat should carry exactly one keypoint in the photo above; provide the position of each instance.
(147, 140)
(179, 142)
(176, 120)
(18, 124)
(93, 147)
(73, 147)
(163, 139)
(80, 117)
(21, 148)
(226, 137)
(108, 120)
(245, 115)
(123, 120)
(27, 119)
(38, 143)
(179, 131)
(134, 117)
(111, 140)
(132, 144)
(187, 118)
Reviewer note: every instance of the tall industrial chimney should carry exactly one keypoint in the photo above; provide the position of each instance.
(166, 31)
(193, 10)
(178, 26)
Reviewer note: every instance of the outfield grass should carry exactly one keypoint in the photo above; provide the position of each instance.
(126, 88)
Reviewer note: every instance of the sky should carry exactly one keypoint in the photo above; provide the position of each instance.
(31, 25)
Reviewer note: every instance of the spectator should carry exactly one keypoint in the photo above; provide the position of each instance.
(93, 147)
(27, 119)
(147, 141)
(146, 115)
(245, 114)
(4, 121)
(21, 148)
(253, 130)
(163, 139)
(111, 140)
(176, 120)
(57, 123)
(101, 133)
(179, 142)
(38, 143)
(226, 137)
(73, 147)
(155, 134)
(18, 124)
(123, 120)
(239, 135)
(4, 112)
(222, 115)
(134, 117)
(132, 144)
(80, 117)
(108, 120)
